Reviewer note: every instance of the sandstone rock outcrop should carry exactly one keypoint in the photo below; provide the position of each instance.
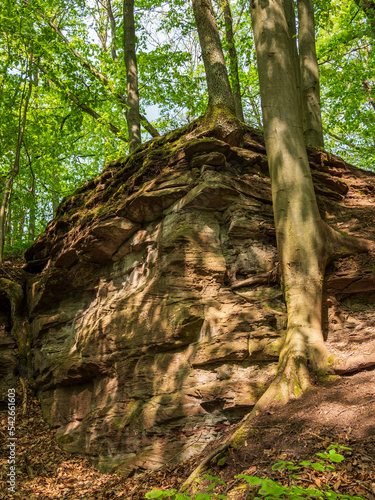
(154, 298)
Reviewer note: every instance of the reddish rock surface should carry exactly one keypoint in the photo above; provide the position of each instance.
(154, 301)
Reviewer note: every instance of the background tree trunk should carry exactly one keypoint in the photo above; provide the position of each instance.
(312, 119)
(219, 91)
(233, 59)
(4, 207)
(113, 30)
(132, 114)
(290, 17)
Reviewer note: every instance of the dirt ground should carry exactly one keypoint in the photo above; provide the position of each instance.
(342, 411)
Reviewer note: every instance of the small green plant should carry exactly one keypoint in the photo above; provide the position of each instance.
(267, 489)
(174, 495)
(330, 455)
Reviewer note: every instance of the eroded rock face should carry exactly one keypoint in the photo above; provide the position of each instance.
(156, 311)
(8, 350)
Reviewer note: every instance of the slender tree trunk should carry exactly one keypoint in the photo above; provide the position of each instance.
(301, 234)
(290, 17)
(21, 226)
(32, 214)
(132, 114)
(113, 30)
(368, 89)
(55, 191)
(233, 59)
(312, 119)
(16, 164)
(219, 92)
(8, 223)
(4, 207)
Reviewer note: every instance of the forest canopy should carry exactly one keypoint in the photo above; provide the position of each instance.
(64, 88)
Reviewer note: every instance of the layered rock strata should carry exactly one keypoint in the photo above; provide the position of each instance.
(154, 298)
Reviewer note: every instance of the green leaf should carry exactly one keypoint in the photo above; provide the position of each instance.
(160, 493)
(216, 479)
(255, 481)
(331, 495)
(279, 465)
(335, 457)
(293, 467)
(270, 487)
(305, 463)
(313, 492)
(318, 466)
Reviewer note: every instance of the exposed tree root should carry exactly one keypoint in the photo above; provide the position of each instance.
(355, 364)
(344, 245)
(24, 395)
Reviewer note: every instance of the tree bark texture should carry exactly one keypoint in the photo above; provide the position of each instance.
(300, 232)
(233, 59)
(132, 114)
(219, 90)
(368, 89)
(312, 120)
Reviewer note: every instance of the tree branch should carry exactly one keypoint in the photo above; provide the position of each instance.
(81, 105)
(346, 142)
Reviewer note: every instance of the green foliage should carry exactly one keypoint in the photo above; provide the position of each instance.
(346, 64)
(267, 489)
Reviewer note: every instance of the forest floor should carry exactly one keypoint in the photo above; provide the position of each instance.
(341, 411)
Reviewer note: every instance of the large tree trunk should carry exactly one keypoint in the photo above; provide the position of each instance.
(233, 59)
(301, 234)
(220, 117)
(305, 243)
(132, 115)
(312, 120)
(219, 91)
